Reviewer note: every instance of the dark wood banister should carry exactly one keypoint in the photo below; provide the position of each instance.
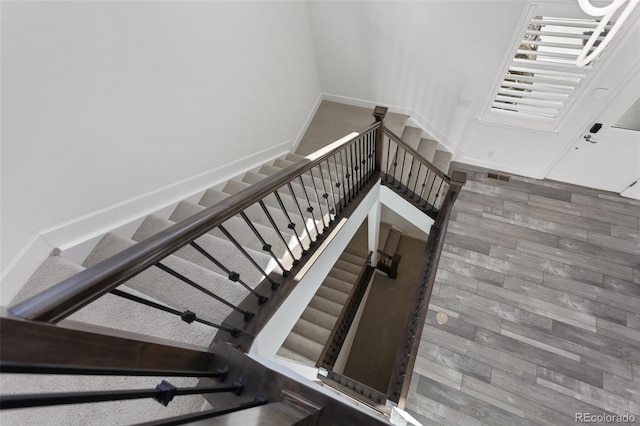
(417, 155)
(70, 295)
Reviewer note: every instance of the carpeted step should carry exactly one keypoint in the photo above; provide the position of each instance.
(312, 331)
(238, 229)
(325, 305)
(343, 275)
(353, 259)
(339, 285)
(442, 160)
(329, 293)
(320, 318)
(396, 122)
(348, 266)
(304, 346)
(412, 136)
(427, 148)
(162, 286)
(294, 157)
(392, 241)
(221, 249)
(291, 207)
(295, 356)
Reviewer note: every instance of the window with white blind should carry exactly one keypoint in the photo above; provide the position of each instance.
(541, 78)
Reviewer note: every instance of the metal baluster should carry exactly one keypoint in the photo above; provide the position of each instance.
(232, 275)
(304, 221)
(265, 246)
(416, 181)
(404, 157)
(226, 233)
(395, 162)
(409, 176)
(361, 160)
(424, 183)
(341, 175)
(336, 210)
(388, 156)
(277, 229)
(426, 201)
(315, 191)
(325, 194)
(291, 225)
(247, 315)
(354, 170)
(310, 208)
(435, 200)
(186, 316)
(346, 174)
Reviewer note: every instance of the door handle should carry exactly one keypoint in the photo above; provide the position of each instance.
(587, 138)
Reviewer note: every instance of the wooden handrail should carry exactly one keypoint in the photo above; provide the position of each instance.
(417, 155)
(70, 295)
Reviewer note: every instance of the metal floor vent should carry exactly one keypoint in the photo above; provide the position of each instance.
(498, 176)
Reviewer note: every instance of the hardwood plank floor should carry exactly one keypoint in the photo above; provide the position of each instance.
(541, 282)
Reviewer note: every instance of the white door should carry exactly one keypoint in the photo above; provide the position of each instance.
(607, 159)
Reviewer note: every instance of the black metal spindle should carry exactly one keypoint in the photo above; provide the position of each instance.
(404, 157)
(388, 156)
(310, 209)
(340, 177)
(226, 233)
(415, 183)
(232, 275)
(291, 225)
(354, 170)
(304, 221)
(186, 316)
(395, 162)
(247, 315)
(203, 415)
(14, 367)
(406, 191)
(277, 229)
(344, 159)
(265, 246)
(163, 393)
(424, 184)
(325, 195)
(426, 200)
(315, 192)
(361, 161)
(336, 208)
(435, 200)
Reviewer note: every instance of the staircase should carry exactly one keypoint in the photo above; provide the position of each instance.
(258, 242)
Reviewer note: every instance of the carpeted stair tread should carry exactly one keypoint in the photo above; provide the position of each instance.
(343, 275)
(295, 356)
(325, 305)
(303, 345)
(312, 331)
(353, 259)
(320, 184)
(255, 214)
(392, 242)
(221, 249)
(427, 148)
(162, 286)
(300, 192)
(329, 293)
(319, 317)
(237, 227)
(116, 312)
(337, 284)
(412, 136)
(348, 266)
(442, 159)
(395, 122)
(234, 186)
(291, 156)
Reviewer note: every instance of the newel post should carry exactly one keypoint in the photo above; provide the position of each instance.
(379, 113)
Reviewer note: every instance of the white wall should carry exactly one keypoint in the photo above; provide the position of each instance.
(439, 61)
(108, 102)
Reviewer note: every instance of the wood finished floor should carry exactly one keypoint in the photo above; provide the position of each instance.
(541, 282)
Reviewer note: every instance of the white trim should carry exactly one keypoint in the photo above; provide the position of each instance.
(365, 103)
(307, 123)
(405, 209)
(501, 167)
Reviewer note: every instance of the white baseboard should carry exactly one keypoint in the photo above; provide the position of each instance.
(306, 123)
(365, 104)
(77, 237)
(500, 167)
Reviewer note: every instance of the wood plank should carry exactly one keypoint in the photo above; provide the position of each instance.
(456, 361)
(503, 226)
(540, 225)
(604, 253)
(627, 389)
(584, 211)
(558, 217)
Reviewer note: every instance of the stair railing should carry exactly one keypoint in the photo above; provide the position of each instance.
(388, 263)
(304, 201)
(338, 335)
